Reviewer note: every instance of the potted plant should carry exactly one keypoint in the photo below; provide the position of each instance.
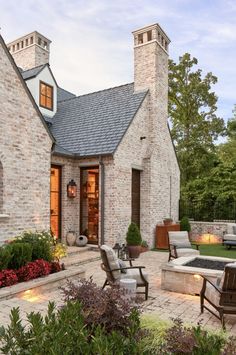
(184, 224)
(133, 240)
(167, 221)
(144, 246)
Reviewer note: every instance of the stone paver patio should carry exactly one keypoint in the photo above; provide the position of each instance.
(163, 304)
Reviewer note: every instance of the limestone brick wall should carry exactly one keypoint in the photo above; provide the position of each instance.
(207, 231)
(25, 156)
(151, 72)
(31, 57)
(131, 153)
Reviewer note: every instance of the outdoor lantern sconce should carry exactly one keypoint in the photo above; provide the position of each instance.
(72, 189)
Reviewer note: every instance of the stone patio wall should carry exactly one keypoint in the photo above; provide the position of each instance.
(207, 231)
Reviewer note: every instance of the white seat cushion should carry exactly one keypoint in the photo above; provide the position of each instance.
(230, 237)
(112, 260)
(187, 252)
(179, 239)
(134, 274)
(214, 296)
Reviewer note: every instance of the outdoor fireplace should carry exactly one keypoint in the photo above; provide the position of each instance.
(178, 277)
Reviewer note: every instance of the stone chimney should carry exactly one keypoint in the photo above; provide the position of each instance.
(30, 51)
(151, 71)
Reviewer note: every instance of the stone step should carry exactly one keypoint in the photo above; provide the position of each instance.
(80, 258)
(78, 250)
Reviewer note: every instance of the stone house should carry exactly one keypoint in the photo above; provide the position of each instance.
(111, 154)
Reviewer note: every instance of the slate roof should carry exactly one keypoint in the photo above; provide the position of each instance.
(94, 124)
(31, 73)
(63, 94)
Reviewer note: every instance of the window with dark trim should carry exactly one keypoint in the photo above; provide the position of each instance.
(46, 96)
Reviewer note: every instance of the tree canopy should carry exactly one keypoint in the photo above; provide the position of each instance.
(192, 113)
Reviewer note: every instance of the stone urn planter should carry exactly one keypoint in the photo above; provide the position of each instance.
(167, 221)
(81, 241)
(70, 238)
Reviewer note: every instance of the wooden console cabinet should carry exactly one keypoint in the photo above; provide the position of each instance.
(162, 234)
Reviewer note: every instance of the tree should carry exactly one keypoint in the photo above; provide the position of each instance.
(192, 112)
(227, 151)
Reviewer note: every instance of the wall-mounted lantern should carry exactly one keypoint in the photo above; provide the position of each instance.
(72, 189)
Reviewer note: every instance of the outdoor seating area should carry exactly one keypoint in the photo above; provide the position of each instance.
(161, 303)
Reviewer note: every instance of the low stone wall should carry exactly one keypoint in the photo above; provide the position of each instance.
(207, 232)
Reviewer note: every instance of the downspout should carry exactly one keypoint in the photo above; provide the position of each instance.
(102, 190)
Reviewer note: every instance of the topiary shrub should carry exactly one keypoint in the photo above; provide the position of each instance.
(21, 254)
(133, 235)
(5, 256)
(42, 244)
(184, 224)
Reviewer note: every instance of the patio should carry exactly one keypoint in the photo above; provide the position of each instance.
(161, 303)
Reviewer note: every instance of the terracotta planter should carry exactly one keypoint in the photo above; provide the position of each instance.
(134, 251)
(143, 249)
(167, 222)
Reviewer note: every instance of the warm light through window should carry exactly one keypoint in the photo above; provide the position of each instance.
(46, 96)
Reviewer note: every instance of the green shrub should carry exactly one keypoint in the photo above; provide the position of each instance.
(42, 244)
(185, 225)
(133, 235)
(21, 254)
(5, 256)
(62, 332)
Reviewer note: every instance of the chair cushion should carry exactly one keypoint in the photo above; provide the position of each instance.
(187, 252)
(230, 228)
(179, 238)
(112, 260)
(230, 237)
(214, 296)
(134, 274)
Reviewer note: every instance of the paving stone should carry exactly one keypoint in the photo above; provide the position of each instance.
(164, 304)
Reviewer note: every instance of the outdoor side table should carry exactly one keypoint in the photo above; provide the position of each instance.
(129, 286)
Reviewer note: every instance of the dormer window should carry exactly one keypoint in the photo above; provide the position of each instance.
(46, 96)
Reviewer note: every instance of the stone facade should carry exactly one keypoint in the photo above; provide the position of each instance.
(208, 232)
(25, 157)
(146, 146)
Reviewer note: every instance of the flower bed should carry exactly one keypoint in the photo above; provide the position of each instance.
(30, 271)
(29, 256)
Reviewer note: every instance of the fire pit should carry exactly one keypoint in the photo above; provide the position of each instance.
(182, 275)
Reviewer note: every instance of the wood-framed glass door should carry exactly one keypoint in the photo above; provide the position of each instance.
(55, 201)
(89, 203)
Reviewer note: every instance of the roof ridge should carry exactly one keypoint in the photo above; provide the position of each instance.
(95, 92)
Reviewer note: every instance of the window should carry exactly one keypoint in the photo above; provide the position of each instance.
(27, 42)
(39, 41)
(46, 96)
(31, 40)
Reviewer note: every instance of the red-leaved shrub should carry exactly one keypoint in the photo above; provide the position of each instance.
(8, 278)
(30, 271)
(55, 266)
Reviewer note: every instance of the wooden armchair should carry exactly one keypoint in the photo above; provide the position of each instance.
(116, 270)
(179, 245)
(222, 295)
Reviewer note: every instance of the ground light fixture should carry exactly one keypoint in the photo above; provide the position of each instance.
(71, 189)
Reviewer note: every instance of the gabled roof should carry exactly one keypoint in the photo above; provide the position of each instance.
(31, 73)
(63, 95)
(94, 124)
(18, 73)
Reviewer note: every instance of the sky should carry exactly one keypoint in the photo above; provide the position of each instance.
(92, 44)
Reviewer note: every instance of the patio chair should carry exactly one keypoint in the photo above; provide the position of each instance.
(179, 245)
(230, 234)
(116, 270)
(221, 295)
